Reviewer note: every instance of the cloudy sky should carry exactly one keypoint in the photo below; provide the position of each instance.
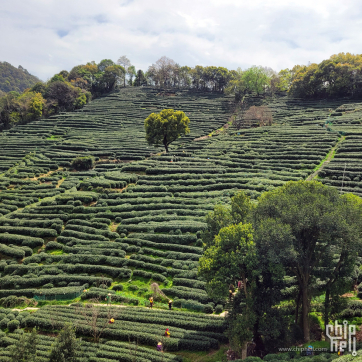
(47, 36)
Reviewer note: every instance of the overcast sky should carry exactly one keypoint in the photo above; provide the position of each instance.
(47, 36)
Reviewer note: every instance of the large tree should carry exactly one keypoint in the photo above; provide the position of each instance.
(112, 76)
(304, 227)
(125, 63)
(131, 72)
(25, 348)
(223, 216)
(256, 79)
(66, 347)
(231, 255)
(162, 73)
(140, 79)
(338, 76)
(165, 127)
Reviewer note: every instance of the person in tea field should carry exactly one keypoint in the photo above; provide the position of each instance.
(159, 347)
(167, 333)
(111, 321)
(232, 288)
(151, 302)
(230, 294)
(170, 304)
(108, 298)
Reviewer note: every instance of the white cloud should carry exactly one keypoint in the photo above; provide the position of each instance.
(46, 36)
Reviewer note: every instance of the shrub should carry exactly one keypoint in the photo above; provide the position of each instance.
(208, 309)
(118, 287)
(49, 285)
(12, 325)
(219, 308)
(199, 243)
(4, 323)
(10, 316)
(83, 163)
(133, 287)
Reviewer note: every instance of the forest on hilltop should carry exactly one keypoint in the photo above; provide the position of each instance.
(338, 76)
(15, 79)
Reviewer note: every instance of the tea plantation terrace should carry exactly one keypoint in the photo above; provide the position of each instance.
(136, 218)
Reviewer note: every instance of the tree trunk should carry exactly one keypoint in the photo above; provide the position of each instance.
(165, 143)
(297, 307)
(305, 310)
(326, 307)
(244, 284)
(258, 340)
(244, 351)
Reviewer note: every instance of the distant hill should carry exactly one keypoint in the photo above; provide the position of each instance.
(15, 79)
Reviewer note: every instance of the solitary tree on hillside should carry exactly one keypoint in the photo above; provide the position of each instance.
(165, 127)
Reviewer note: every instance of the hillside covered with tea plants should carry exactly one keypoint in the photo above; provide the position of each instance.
(136, 218)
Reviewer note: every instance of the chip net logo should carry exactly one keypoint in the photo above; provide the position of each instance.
(342, 337)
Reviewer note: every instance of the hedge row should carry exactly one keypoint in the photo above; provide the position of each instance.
(119, 351)
(92, 249)
(15, 251)
(91, 230)
(67, 268)
(188, 293)
(11, 282)
(137, 244)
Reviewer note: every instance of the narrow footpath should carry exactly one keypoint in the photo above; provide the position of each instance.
(326, 161)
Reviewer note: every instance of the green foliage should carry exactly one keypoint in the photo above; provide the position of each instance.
(307, 223)
(15, 108)
(83, 163)
(66, 347)
(140, 79)
(25, 348)
(223, 216)
(254, 79)
(231, 257)
(13, 324)
(165, 127)
(15, 79)
(338, 76)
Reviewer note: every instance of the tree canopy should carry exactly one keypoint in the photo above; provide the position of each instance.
(310, 227)
(66, 348)
(65, 91)
(25, 348)
(15, 79)
(338, 76)
(254, 79)
(165, 127)
(231, 255)
(303, 233)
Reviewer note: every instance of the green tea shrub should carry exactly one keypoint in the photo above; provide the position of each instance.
(12, 325)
